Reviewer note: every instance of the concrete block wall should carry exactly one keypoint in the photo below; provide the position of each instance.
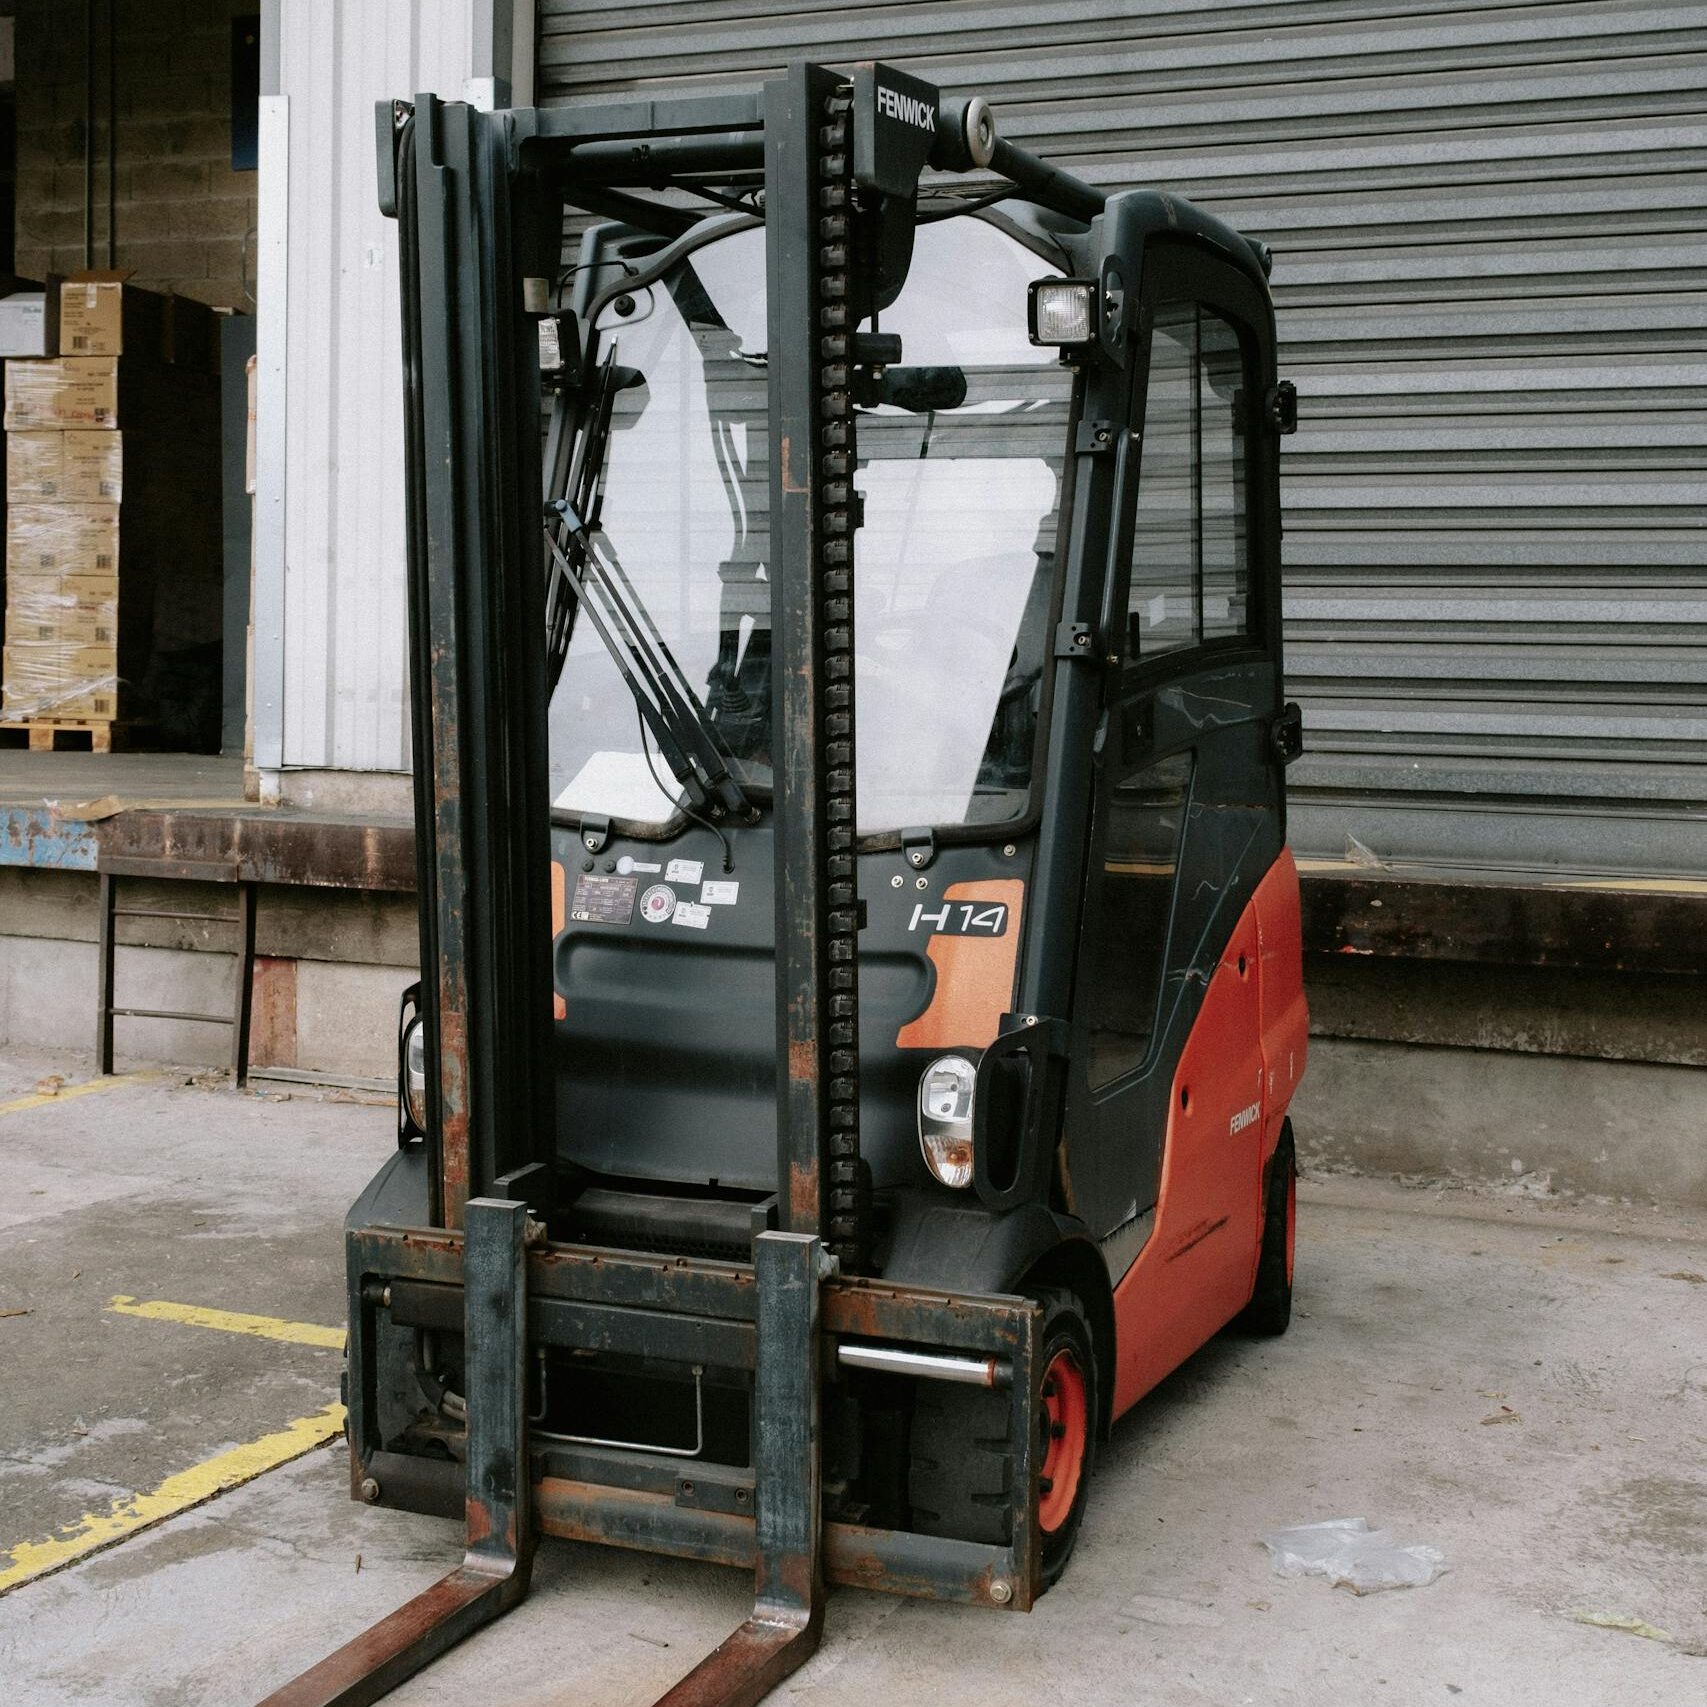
(1530, 1088)
(1535, 1126)
(185, 221)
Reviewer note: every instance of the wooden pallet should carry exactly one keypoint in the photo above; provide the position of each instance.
(44, 733)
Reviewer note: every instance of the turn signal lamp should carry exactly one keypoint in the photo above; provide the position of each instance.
(1061, 311)
(946, 1091)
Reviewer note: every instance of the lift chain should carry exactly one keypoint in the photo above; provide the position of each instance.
(847, 1217)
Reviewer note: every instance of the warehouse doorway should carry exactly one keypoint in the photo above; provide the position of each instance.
(126, 325)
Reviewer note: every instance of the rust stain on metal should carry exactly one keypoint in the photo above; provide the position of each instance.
(791, 482)
(477, 1516)
(635, 1518)
(339, 1675)
(453, 1109)
(803, 1196)
(794, 1577)
(745, 1667)
(858, 1312)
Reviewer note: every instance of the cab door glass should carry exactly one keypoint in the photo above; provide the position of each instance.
(1127, 936)
(1190, 579)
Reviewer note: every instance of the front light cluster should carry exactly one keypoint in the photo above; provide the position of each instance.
(947, 1092)
(415, 1073)
(1062, 312)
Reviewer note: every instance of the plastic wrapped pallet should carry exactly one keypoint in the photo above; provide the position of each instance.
(114, 534)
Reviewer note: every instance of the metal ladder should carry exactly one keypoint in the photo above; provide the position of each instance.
(241, 920)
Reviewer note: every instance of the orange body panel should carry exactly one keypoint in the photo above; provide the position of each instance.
(1230, 1094)
(974, 976)
(559, 882)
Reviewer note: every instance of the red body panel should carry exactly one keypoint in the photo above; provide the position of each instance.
(1231, 1089)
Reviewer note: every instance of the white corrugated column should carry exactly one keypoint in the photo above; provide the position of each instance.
(331, 668)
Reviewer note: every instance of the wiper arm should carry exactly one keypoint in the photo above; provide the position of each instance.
(582, 486)
(679, 722)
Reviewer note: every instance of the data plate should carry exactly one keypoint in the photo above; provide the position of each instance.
(603, 900)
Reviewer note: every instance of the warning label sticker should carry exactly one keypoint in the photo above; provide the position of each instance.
(715, 894)
(603, 900)
(691, 914)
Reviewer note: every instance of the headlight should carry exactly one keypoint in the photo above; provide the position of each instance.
(415, 1073)
(1061, 311)
(945, 1118)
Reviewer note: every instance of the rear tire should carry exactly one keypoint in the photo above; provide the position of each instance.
(1270, 1309)
(960, 1472)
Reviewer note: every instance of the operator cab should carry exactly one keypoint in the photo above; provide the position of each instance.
(1020, 339)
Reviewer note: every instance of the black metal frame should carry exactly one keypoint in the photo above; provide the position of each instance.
(774, 1316)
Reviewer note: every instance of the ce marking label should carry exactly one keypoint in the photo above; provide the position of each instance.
(961, 918)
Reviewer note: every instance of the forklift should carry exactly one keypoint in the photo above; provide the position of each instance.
(861, 984)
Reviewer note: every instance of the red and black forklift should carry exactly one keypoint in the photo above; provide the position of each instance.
(861, 992)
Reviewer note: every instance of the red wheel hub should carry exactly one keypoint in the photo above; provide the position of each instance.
(1064, 1421)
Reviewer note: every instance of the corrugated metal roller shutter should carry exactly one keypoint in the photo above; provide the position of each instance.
(1491, 260)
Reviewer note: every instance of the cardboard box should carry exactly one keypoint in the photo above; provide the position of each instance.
(48, 681)
(84, 467)
(49, 608)
(87, 591)
(87, 661)
(72, 625)
(58, 663)
(29, 322)
(62, 392)
(71, 540)
(60, 706)
(102, 314)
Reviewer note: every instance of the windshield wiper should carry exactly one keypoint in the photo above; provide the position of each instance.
(582, 485)
(678, 720)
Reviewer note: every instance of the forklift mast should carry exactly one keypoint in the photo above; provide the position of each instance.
(473, 1257)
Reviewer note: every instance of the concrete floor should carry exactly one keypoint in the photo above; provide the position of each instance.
(1422, 1317)
(75, 780)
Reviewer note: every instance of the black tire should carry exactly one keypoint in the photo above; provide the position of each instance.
(1270, 1309)
(960, 1472)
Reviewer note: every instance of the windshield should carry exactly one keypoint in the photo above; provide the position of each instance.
(954, 561)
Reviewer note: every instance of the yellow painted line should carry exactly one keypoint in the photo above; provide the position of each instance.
(44, 1099)
(95, 1530)
(229, 1321)
(1647, 885)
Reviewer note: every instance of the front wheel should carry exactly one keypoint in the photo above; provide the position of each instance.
(1066, 1428)
(960, 1472)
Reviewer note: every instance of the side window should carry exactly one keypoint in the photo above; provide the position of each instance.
(1126, 930)
(1190, 553)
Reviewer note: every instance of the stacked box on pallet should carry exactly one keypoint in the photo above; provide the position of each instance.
(113, 534)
